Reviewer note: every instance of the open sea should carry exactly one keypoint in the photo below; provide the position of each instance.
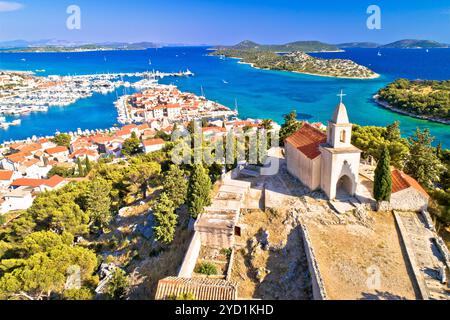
(259, 93)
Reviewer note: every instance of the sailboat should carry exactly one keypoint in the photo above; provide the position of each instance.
(149, 62)
(225, 81)
(379, 54)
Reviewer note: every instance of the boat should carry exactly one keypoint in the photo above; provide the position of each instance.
(225, 81)
(379, 54)
(23, 59)
(149, 62)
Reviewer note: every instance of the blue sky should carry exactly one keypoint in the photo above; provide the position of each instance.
(225, 22)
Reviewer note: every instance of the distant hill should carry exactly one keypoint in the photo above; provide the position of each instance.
(411, 44)
(65, 46)
(306, 46)
(359, 45)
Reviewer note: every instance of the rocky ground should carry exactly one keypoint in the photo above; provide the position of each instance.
(270, 263)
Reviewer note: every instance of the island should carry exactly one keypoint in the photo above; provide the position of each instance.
(423, 99)
(297, 61)
(48, 48)
(306, 46)
(415, 44)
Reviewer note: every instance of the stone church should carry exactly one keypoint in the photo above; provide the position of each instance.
(325, 161)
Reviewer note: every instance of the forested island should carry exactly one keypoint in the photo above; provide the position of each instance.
(425, 99)
(298, 61)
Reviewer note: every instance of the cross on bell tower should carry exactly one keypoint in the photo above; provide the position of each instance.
(339, 128)
(341, 96)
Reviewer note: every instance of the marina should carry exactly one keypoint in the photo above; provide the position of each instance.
(24, 93)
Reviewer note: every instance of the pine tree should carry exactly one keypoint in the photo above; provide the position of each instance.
(166, 219)
(423, 163)
(98, 203)
(175, 185)
(199, 190)
(383, 180)
(290, 126)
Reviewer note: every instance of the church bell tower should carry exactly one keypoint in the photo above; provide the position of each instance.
(340, 159)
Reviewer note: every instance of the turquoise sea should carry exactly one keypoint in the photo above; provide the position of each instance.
(260, 93)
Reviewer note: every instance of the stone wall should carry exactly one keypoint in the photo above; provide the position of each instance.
(190, 259)
(438, 240)
(409, 200)
(317, 284)
(418, 279)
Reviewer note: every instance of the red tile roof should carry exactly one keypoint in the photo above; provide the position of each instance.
(401, 181)
(6, 175)
(84, 152)
(153, 142)
(307, 140)
(25, 182)
(57, 149)
(200, 288)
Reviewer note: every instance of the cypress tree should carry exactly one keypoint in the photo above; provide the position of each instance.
(199, 190)
(80, 168)
(87, 164)
(383, 180)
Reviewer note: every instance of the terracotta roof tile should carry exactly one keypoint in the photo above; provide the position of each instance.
(308, 139)
(201, 288)
(402, 181)
(6, 175)
(25, 182)
(153, 142)
(57, 149)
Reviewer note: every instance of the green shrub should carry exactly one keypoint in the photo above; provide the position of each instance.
(227, 252)
(207, 268)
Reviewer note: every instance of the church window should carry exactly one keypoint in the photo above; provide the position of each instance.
(343, 136)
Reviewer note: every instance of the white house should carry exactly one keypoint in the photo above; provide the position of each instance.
(18, 199)
(6, 177)
(152, 145)
(39, 185)
(60, 153)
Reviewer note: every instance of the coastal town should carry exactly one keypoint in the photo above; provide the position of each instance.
(166, 102)
(260, 236)
(23, 92)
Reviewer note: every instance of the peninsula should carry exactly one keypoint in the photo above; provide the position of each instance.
(298, 61)
(429, 100)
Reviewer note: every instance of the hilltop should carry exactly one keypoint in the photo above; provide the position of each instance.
(359, 45)
(415, 44)
(305, 46)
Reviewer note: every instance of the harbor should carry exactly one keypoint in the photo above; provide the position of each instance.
(23, 92)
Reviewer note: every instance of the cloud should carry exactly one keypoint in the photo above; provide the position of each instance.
(7, 6)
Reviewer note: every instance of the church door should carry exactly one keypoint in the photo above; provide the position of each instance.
(344, 187)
